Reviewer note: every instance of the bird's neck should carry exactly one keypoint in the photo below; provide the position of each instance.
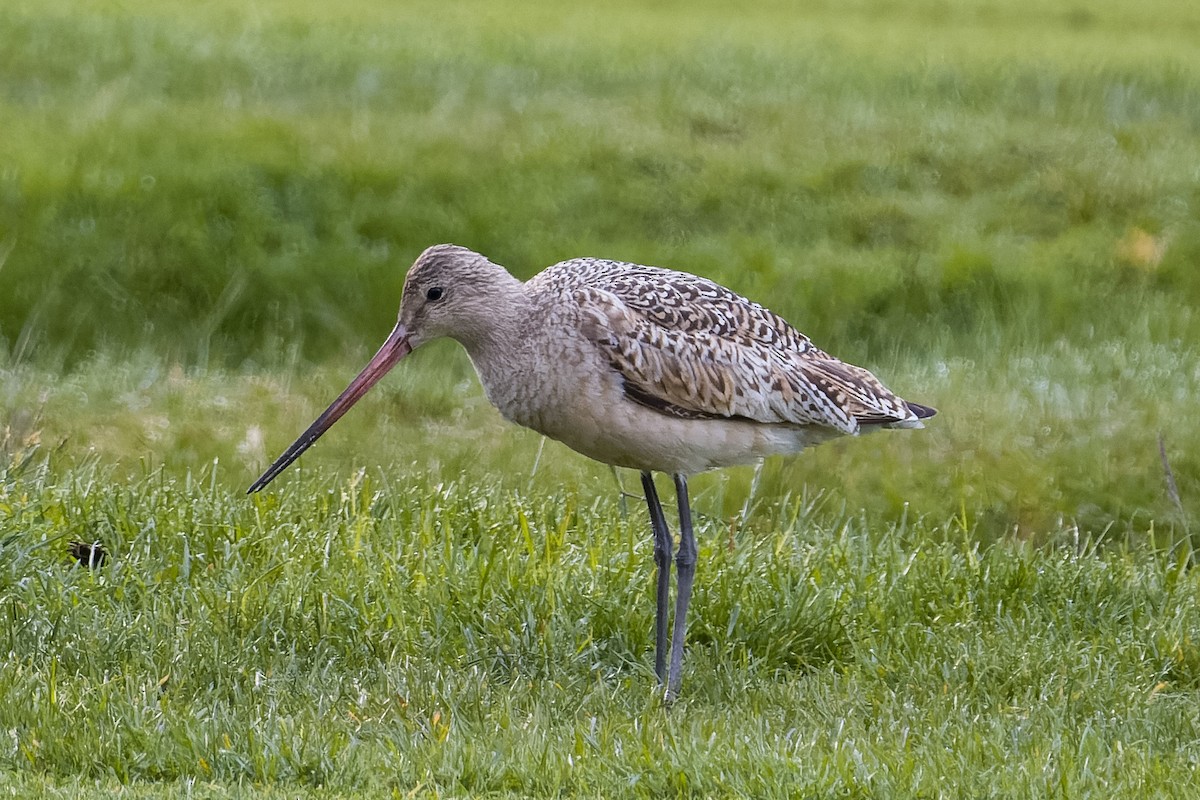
(502, 324)
(504, 354)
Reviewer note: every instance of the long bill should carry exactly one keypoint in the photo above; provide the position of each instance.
(395, 348)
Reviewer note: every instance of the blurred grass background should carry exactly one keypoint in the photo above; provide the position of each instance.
(231, 182)
(206, 212)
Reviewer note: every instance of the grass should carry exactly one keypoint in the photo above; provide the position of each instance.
(206, 211)
(467, 640)
(242, 183)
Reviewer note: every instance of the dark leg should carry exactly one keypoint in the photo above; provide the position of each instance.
(662, 558)
(685, 568)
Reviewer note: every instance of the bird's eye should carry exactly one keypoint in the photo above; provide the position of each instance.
(434, 293)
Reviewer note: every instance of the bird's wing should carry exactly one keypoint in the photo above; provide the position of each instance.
(691, 348)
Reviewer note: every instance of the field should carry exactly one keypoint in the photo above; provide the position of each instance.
(206, 212)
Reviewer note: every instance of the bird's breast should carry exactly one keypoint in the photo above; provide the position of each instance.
(537, 381)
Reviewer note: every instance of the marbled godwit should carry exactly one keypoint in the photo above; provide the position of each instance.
(636, 367)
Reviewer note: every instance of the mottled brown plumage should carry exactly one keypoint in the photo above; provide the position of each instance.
(691, 348)
(636, 367)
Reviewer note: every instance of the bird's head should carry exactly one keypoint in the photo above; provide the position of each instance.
(452, 291)
(449, 291)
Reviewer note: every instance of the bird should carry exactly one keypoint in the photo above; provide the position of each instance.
(640, 367)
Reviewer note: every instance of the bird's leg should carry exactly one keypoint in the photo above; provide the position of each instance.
(662, 558)
(685, 568)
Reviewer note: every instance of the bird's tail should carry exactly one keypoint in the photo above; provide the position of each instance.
(922, 412)
(918, 411)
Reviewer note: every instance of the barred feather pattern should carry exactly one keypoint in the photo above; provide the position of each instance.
(693, 349)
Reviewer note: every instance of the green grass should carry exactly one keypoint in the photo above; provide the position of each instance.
(238, 183)
(206, 211)
(366, 635)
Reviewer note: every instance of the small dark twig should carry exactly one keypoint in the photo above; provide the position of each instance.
(1172, 487)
